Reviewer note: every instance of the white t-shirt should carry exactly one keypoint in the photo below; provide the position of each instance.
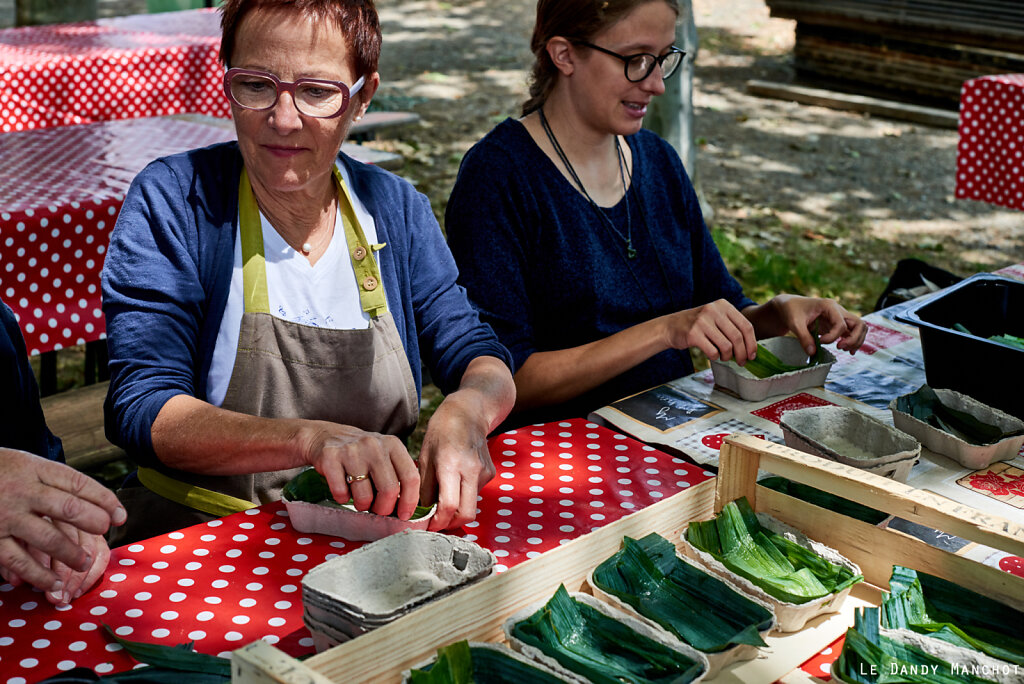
(325, 295)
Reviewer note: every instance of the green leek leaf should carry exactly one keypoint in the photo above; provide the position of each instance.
(824, 499)
(699, 609)
(782, 568)
(181, 658)
(602, 649)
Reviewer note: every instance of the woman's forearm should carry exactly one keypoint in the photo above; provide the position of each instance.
(554, 377)
(192, 435)
(487, 384)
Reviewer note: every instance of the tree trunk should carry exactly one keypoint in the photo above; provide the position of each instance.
(671, 115)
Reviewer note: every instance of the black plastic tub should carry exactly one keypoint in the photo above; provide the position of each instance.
(991, 372)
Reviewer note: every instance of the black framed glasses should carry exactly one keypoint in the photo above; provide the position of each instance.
(316, 97)
(639, 66)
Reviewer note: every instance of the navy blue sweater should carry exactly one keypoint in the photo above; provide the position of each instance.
(548, 273)
(21, 417)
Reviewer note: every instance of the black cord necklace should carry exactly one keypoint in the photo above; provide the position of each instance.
(627, 239)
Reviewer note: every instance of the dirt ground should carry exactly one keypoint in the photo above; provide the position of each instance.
(872, 188)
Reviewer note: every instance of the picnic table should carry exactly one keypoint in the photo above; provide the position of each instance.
(119, 68)
(990, 155)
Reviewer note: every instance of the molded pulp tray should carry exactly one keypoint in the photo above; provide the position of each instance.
(738, 380)
(560, 673)
(716, 661)
(642, 626)
(973, 456)
(990, 372)
(852, 438)
(348, 523)
(382, 581)
(789, 617)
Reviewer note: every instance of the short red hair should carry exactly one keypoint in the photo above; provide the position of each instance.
(357, 20)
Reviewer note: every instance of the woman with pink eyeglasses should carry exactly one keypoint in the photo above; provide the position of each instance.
(268, 302)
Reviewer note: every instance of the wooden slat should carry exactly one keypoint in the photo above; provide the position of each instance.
(874, 491)
(930, 116)
(76, 416)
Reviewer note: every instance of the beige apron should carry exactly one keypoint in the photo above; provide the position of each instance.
(287, 370)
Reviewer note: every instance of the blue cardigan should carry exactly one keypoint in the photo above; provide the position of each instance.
(168, 270)
(22, 425)
(548, 273)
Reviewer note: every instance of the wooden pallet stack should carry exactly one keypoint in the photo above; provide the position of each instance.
(920, 50)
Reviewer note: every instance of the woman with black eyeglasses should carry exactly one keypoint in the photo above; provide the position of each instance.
(268, 302)
(578, 234)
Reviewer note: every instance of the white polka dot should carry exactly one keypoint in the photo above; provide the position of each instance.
(233, 636)
(52, 625)
(118, 577)
(197, 635)
(40, 643)
(204, 616)
(133, 613)
(219, 584)
(143, 596)
(289, 588)
(247, 603)
(169, 548)
(151, 579)
(240, 619)
(186, 582)
(177, 597)
(161, 633)
(66, 665)
(88, 626)
(124, 630)
(169, 615)
(213, 600)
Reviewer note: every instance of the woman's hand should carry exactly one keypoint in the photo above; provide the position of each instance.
(380, 469)
(799, 315)
(718, 329)
(454, 460)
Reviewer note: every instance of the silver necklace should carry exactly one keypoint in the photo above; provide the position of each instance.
(627, 239)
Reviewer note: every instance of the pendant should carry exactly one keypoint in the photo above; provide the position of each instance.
(630, 251)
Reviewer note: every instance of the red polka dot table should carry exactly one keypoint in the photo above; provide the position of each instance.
(121, 68)
(60, 191)
(238, 579)
(990, 156)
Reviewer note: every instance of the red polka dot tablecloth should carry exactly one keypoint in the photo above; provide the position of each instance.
(122, 68)
(60, 191)
(990, 156)
(238, 579)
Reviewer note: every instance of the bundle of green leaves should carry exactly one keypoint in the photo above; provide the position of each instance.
(783, 568)
(700, 609)
(931, 605)
(927, 407)
(601, 648)
(460, 663)
(870, 657)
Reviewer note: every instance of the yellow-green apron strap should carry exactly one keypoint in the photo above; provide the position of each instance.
(371, 290)
(205, 500)
(254, 269)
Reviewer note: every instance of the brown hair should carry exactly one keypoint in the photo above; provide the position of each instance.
(357, 19)
(574, 20)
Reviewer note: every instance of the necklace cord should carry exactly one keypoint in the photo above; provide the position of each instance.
(630, 251)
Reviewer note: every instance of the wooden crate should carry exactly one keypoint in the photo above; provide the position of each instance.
(477, 612)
